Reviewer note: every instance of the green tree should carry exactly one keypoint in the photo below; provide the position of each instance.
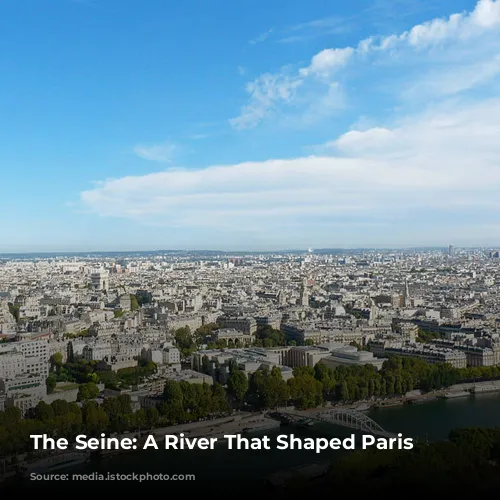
(305, 390)
(237, 385)
(172, 392)
(344, 394)
(95, 418)
(43, 412)
(61, 407)
(134, 304)
(56, 360)
(87, 391)
(219, 399)
(185, 341)
(268, 388)
(267, 336)
(173, 412)
(204, 331)
(140, 418)
(119, 411)
(51, 383)
(14, 310)
(152, 417)
(205, 363)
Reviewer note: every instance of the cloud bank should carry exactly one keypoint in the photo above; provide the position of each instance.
(446, 56)
(438, 159)
(437, 165)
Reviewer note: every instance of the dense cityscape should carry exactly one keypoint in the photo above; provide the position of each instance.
(250, 248)
(118, 343)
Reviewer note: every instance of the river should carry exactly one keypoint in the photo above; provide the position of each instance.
(433, 421)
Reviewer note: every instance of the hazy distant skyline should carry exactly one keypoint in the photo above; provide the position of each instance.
(228, 252)
(140, 125)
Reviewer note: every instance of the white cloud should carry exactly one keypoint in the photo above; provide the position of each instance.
(453, 78)
(324, 23)
(262, 37)
(316, 28)
(485, 16)
(437, 171)
(265, 93)
(445, 160)
(464, 46)
(360, 141)
(487, 13)
(156, 152)
(327, 61)
(330, 100)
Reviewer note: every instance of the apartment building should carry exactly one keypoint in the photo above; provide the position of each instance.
(232, 336)
(430, 353)
(247, 325)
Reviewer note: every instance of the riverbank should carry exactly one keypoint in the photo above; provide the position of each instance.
(238, 424)
(431, 421)
(416, 397)
(242, 470)
(247, 422)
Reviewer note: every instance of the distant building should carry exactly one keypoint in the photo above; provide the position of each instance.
(430, 353)
(24, 357)
(125, 302)
(117, 362)
(304, 356)
(350, 356)
(166, 355)
(272, 320)
(216, 362)
(247, 325)
(232, 336)
(100, 280)
(23, 392)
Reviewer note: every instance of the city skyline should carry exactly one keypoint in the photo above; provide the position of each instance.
(200, 252)
(368, 125)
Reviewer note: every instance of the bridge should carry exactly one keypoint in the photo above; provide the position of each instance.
(345, 418)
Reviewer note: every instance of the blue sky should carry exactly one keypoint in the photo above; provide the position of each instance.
(130, 125)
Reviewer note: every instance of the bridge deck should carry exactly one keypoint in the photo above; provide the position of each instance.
(350, 419)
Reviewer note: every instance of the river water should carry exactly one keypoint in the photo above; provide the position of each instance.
(432, 421)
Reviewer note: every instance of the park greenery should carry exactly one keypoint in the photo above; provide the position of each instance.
(424, 337)
(312, 387)
(81, 333)
(134, 303)
(185, 402)
(60, 418)
(81, 371)
(14, 310)
(308, 388)
(265, 336)
(181, 402)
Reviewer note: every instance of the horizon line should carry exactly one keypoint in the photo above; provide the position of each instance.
(289, 250)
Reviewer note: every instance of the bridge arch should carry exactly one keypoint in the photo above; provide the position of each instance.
(346, 418)
(350, 418)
